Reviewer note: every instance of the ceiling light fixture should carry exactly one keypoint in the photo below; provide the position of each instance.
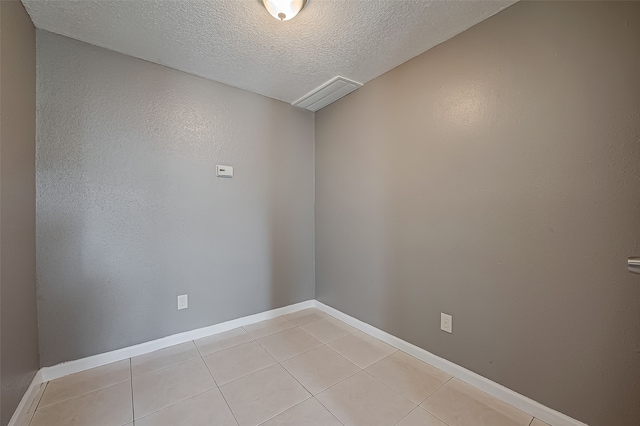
(283, 10)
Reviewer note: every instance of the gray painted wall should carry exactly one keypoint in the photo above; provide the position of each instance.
(18, 318)
(130, 213)
(497, 178)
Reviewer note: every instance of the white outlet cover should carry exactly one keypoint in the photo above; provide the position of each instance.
(183, 301)
(446, 323)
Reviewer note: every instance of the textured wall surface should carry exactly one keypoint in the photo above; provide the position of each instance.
(18, 318)
(130, 213)
(497, 178)
(238, 43)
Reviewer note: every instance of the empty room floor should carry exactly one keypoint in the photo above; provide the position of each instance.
(305, 368)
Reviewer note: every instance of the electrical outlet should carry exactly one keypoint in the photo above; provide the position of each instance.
(446, 323)
(183, 301)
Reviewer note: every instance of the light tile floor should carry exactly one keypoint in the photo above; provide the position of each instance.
(305, 368)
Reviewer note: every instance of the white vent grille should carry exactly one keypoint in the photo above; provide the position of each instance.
(329, 92)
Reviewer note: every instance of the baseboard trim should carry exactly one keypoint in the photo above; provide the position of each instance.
(66, 368)
(507, 395)
(27, 399)
(523, 403)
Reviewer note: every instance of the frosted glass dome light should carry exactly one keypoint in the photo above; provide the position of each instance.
(283, 10)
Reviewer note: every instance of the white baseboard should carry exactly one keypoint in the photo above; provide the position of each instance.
(27, 399)
(66, 368)
(528, 405)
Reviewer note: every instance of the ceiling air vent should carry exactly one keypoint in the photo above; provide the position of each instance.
(329, 92)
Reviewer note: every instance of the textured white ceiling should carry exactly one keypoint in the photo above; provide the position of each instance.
(238, 43)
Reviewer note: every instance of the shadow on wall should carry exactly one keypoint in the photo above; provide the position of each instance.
(131, 214)
(287, 213)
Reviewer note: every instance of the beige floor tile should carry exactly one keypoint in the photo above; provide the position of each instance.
(328, 329)
(320, 368)
(33, 404)
(238, 361)
(459, 404)
(362, 349)
(411, 377)
(419, 417)
(537, 422)
(224, 340)
(162, 388)
(105, 407)
(364, 401)
(265, 328)
(263, 394)
(85, 381)
(289, 343)
(307, 413)
(163, 358)
(305, 316)
(206, 409)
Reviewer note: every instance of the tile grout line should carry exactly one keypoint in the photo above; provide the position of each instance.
(285, 410)
(82, 394)
(434, 392)
(375, 378)
(270, 319)
(323, 344)
(178, 402)
(175, 403)
(264, 421)
(437, 389)
(288, 329)
(164, 368)
(277, 362)
(39, 399)
(418, 404)
(407, 415)
(168, 366)
(327, 408)
(229, 407)
(340, 381)
(209, 370)
(218, 387)
(248, 374)
(174, 365)
(420, 408)
(224, 349)
(339, 354)
(291, 357)
(304, 387)
(311, 395)
(337, 383)
(363, 368)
